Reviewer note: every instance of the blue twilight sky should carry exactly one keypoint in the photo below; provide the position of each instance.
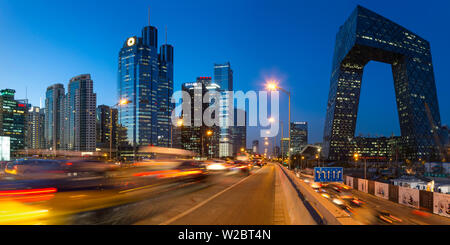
(49, 41)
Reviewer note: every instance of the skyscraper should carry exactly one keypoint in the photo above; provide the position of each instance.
(13, 115)
(299, 136)
(165, 91)
(54, 98)
(239, 132)
(367, 36)
(106, 129)
(145, 79)
(195, 135)
(284, 147)
(35, 128)
(255, 147)
(223, 79)
(79, 115)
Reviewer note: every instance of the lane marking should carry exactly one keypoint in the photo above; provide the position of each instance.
(206, 201)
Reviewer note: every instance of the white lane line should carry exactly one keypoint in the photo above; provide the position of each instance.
(206, 201)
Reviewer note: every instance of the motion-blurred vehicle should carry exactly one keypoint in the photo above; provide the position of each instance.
(88, 167)
(216, 165)
(387, 217)
(315, 185)
(183, 170)
(356, 202)
(341, 204)
(243, 167)
(35, 168)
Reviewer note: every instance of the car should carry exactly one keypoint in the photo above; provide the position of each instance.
(387, 217)
(35, 168)
(243, 167)
(356, 202)
(88, 167)
(216, 165)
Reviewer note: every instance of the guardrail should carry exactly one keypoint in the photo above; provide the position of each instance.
(322, 211)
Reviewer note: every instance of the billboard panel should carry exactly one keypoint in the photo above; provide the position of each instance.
(349, 181)
(441, 204)
(363, 185)
(5, 148)
(382, 190)
(408, 197)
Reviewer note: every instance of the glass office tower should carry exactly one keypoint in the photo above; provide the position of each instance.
(299, 136)
(165, 91)
(53, 118)
(223, 79)
(13, 119)
(367, 36)
(145, 79)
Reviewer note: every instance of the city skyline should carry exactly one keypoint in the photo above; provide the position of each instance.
(309, 104)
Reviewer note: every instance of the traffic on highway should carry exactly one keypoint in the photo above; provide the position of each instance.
(367, 209)
(90, 191)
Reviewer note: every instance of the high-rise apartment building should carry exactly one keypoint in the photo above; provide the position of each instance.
(78, 131)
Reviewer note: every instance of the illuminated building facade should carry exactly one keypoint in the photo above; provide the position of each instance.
(223, 78)
(13, 115)
(106, 130)
(54, 98)
(299, 136)
(35, 128)
(367, 36)
(145, 79)
(78, 127)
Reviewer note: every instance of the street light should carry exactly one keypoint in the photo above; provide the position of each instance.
(208, 134)
(121, 102)
(272, 86)
(318, 154)
(272, 120)
(179, 124)
(355, 156)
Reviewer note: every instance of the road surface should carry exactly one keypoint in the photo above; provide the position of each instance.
(248, 201)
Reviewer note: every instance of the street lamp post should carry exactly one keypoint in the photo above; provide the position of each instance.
(355, 156)
(121, 102)
(179, 124)
(208, 134)
(273, 87)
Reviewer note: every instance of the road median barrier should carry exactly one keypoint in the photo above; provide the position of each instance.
(319, 207)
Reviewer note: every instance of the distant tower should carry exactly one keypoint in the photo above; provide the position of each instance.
(54, 98)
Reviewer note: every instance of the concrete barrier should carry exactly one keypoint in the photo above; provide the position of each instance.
(319, 207)
(297, 211)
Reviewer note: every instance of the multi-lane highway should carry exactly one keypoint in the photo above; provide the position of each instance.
(183, 197)
(230, 197)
